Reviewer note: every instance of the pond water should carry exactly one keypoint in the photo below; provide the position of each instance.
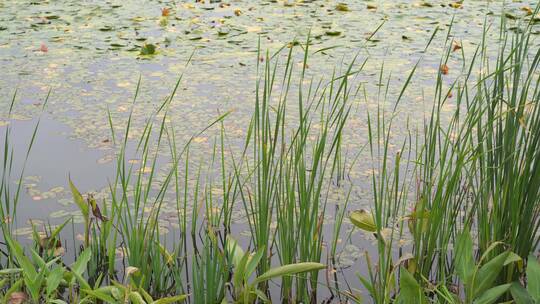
(87, 53)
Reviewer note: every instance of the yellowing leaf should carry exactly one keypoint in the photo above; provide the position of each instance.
(363, 220)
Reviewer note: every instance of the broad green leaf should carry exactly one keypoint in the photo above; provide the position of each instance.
(512, 258)
(34, 285)
(24, 262)
(409, 289)
(363, 220)
(254, 261)
(84, 284)
(520, 294)
(147, 297)
(10, 271)
(488, 273)
(288, 270)
(58, 229)
(260, 294)
(136, 298)
(234, 250)
(54, 278)
(464, 257)
(38, 260)
(533, 277)
(367, 284)
(238, 275)
(79, 200)
(491, 295)
(82, 261)
(169, 300)
(102, 294)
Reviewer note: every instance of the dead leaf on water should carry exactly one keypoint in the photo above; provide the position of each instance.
(456, 46)
(199, 139)
(146, 170)
(444, 69)
(528, 10)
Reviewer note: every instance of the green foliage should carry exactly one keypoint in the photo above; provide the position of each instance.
(245, 264)
(363, 220)
(479, 279)
(409, 290)
(478, 169)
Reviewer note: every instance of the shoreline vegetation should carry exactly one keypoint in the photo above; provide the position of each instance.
(465, 190)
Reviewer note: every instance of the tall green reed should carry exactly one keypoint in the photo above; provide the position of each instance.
(508, 182)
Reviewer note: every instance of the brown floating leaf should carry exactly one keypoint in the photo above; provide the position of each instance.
(237, 12)
(528, 10)
(444, 69)
(456, 5)
(165, 12)
(456, 46)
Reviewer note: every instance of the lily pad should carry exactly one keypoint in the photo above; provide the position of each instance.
(148, 49)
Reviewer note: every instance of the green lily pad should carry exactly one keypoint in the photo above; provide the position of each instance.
(148, 49)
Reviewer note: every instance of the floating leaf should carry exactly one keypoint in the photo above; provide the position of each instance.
(342, 7)
(148, 49)
(444, 69)
(333, 33)
(456, 46)
(163, 21)
(528, 10)
(371, 7)
(510, 16)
